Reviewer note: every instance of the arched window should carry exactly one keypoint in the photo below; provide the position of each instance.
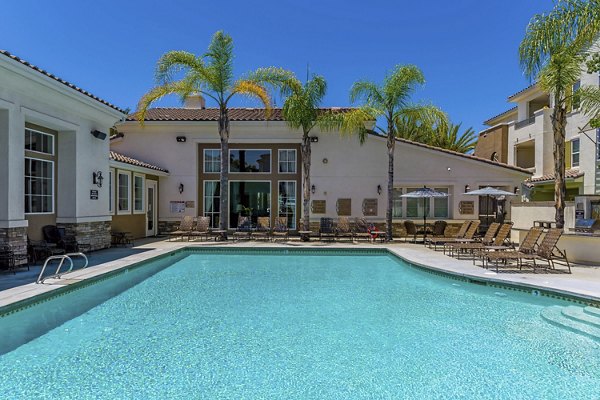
(494, 156)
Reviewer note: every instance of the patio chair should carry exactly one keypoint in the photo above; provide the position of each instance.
(56, 236)
(528, 246)
(13, 257)
(202, 228)
(468, 237)
(486, 240)
(263, 229)
(343, 229)
(244, 228)
(281, 229)
(361, 229)
(441, 240)
(546, 251)
(326, 229)
(500, 242)
(439, 228)
(411, 230)
(185, 227)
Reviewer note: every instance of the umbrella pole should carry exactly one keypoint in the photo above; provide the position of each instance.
(424, 222)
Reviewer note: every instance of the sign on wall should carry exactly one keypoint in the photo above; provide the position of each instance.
(344, 207)
(466, 207)
(93, 195)
(318, 207)
(369, 207)
(177, 207)
(189, 204)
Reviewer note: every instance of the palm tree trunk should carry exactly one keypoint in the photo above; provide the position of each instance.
(223, 193)
(306, 151)
(559, 123)
(391, 142)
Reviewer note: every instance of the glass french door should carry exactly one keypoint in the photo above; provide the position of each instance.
(249, 198)
(151, 209)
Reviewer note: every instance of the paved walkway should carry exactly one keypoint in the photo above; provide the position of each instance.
(584, 281)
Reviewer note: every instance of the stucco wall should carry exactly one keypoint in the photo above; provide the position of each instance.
(493, 140)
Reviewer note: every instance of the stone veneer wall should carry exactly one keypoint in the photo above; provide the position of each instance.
(165, 227)
(16, 238)
(97, 234)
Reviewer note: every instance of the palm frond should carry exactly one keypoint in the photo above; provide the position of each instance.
(181, 88)
(219, 63)
(450, 138)
(279, 79)
(419, 122)
(358, 121)
(172, 62)
(590, 104)
(253, 90)
(560, 73)
(401, 84)
(367, 92)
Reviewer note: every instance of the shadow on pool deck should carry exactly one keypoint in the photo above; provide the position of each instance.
(22, 277)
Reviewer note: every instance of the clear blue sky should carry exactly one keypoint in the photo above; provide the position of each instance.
(467, 49)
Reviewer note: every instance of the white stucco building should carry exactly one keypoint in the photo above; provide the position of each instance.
(265, 173)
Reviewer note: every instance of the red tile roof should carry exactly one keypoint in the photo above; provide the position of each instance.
(212, 114)
(522, 90)
(507, 112)
(132, 161)
(56, 78)
(569, 174)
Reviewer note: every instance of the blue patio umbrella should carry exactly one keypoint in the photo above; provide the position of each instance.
(424, 193)
(489, 192)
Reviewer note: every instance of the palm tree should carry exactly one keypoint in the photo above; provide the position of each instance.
(301, 110)
(390, 104)
(210, 75)
(448, 137)
(552, 52)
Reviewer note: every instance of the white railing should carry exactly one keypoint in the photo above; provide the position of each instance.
(62, 259)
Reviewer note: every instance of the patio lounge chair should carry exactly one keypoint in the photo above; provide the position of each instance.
(411, 230)
(343, 229)
(546, 251)
(486, 240)
(12, 257)
(326, 229)
(281, 229)
(528, 246)
(439, 227)
(263, 229)
(501, 242)
(56, 236)
(361, 229)
(244, 228)
(185, 227)
(441, 240)
(468, 237)
(202, 228)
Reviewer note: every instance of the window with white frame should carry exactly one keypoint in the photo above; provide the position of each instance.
(138, 193)
(415, 207)
(39, 186)
(576, 97)
(287, 161)
(287, 202)
(111, 191)
(212, 160)
(575, 152)
(39, 142)
(250, 161)
(597, 144)
(123, 192)
(212, 202)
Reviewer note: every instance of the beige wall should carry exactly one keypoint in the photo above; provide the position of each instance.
(493, 140)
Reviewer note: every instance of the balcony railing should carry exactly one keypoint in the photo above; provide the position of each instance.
(525, 122)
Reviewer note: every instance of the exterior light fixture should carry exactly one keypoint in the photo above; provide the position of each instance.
(97, 178)
(516, 190)
(314, 139)
(313, 189)
(379, 189)
(467, 188)
(98, 135)
(181, 139)
(180, 188)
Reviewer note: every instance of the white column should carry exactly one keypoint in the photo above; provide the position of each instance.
(12, 167)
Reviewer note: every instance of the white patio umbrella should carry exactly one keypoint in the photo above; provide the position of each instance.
(489, 192)
(424, 193)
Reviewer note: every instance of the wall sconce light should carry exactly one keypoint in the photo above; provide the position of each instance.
(467, 188)
(98, 135)
(314, 139)
(97, 178)
(180, 188)
(516, 190)
(313, 189)
(379, 189)
(181, 139)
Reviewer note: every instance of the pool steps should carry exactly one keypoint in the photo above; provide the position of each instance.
(582, 320)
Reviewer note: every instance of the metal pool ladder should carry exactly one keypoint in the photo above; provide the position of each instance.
(62, 259)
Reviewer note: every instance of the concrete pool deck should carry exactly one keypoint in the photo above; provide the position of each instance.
(583, 282)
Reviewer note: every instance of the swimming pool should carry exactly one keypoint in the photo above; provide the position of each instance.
(297, 325)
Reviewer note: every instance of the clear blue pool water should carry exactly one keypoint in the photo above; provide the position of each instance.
(304, 327)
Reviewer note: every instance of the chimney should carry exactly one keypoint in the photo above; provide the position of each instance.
(194, 100)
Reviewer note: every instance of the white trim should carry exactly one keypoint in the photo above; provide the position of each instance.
(20, 223)
(154, 184)
(295, 200)
(204, 161)
(578, 140)
(133, 197)
(111, 191)
(75, 220)
(45, 134)
(260, 173)
(53, 189)
(129, 189)
(47, 120)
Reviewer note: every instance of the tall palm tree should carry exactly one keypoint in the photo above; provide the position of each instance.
(301, 110)
(449, 138)
(389, 104)
(211, 75)
(551, 52)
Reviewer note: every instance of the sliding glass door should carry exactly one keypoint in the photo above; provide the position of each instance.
(251, 199)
